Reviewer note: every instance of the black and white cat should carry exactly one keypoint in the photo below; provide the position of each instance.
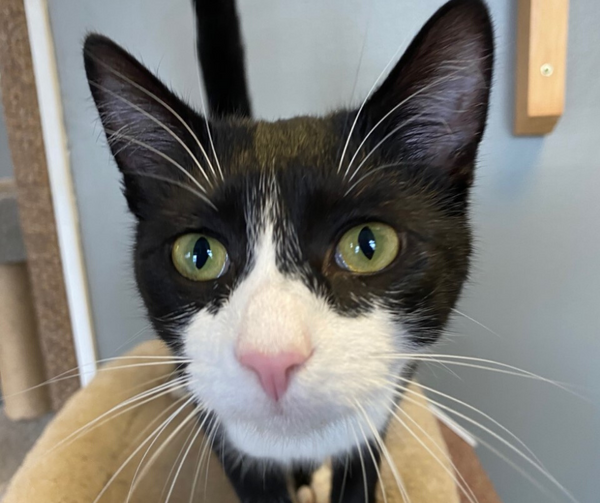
(297, 265)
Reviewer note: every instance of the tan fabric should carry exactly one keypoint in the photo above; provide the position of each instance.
(77, 470)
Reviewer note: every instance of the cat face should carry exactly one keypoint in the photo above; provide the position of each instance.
(299, 264)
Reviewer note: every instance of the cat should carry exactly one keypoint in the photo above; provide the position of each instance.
(297, 265)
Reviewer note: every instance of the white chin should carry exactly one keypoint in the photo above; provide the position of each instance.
(285, 445)
(312, 446)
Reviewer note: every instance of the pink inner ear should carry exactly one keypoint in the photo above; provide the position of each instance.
(274, 371)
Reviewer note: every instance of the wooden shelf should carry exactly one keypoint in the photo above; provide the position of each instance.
(541, 65)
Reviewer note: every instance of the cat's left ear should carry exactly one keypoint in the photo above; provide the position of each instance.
(432, 108)
(149, 129)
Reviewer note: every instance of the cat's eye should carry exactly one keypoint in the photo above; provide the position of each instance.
(368, 248)
(199, 257)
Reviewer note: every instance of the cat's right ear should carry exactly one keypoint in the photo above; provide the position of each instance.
(148, 128)
(432, 107)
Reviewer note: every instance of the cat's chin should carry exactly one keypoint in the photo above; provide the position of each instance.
(276, 441)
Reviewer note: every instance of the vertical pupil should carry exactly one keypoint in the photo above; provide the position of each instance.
(201, 253)
(366, 242)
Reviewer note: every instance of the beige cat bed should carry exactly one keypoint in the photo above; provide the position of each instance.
(103, 460)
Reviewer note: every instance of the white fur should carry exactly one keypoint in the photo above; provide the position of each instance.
(317, 417)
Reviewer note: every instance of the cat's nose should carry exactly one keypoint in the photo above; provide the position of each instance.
(274, 371)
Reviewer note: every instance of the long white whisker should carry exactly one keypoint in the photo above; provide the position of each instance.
(521, 454)
(74, 373)
(205, 114)
(161, 102)
(142, 398)
(166, 442)
(156, 121)
(384, 450)
(165, 157)
(197, 474)
(382, 141)
(134, 480)
(176, 461)
(187, 451)
(481, 413)
(515, 371)
(362, 461)
(175, 183)
(209, 449)
(200, 459)
(364, 102)
(372, 172)
(344, 478)
(462, 484)
(396, 107)
(141, 446)
(375, 465)
(496, 452)
(478, 323)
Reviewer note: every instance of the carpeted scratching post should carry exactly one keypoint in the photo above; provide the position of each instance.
(21, 364)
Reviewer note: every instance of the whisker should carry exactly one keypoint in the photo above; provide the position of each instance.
(481, 413)
(141, 446)
(168, 159)
(161, 102)
(176, 461)
(362, 461)
(132, 338)
(495, 451)
(364, 102)
(134, 479)
(205, 114)
(466, 316)
(372, 172)
(158, 391)
(521, 454)
(198, 431)
(175, 183)
(375, 465)
(213, 437)
(164, 445)
(462, 484)
(156, 121)
(514, 371)
(384, 450)
(63, 375)
(356, 74)
(197, 473)
(396, 107)
(200, 459)
(344, 478)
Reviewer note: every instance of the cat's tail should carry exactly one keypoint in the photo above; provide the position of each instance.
(221, 56)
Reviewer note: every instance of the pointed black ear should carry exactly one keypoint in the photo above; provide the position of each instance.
(432, 108)
(149, 129)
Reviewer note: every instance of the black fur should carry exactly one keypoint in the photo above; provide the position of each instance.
(432, 110)
(221, 56)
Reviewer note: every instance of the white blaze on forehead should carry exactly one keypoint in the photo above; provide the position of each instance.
(274, 317)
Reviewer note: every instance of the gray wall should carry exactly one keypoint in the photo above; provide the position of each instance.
(536, 205)
(5, 160)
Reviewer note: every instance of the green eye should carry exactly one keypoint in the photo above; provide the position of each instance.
(368, 248)
(199, 257)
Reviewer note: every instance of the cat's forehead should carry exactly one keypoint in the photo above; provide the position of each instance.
(276, 145)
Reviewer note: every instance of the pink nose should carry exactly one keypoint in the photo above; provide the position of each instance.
(273, 370)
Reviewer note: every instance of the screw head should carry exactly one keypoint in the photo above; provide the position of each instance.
(547, 70)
